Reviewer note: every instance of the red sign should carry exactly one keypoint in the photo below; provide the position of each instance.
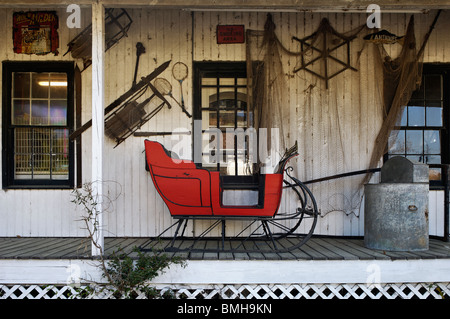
(35, 32)
(230, 34)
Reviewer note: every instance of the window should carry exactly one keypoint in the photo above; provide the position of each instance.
(37, 117)
(422, 136)
(220, 100)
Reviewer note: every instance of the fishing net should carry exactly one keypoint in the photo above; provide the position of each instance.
(401, 77)
(269, 96)
(267, 89)
(268, 83)
(323, 149)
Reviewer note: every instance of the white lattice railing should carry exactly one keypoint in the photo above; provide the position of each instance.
(293, 291)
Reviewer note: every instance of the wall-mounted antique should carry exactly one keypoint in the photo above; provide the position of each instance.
(117, 24)
(35, 32)
(322, 46)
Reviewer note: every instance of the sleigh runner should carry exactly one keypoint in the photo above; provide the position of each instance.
(193, 193)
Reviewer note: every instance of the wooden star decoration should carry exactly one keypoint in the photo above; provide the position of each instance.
(318, 42)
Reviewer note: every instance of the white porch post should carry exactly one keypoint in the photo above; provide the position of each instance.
(98, 101)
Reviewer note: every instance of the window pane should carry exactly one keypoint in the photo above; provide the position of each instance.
(58, 112)
(58, 86)
(21, 85)
(39, 112)
(242, 98)
(414, 142)
(241, 118)
(397, 145)
(211, 145)
(39, 85)
(434, 116)
(22, 156)
(21, 112)
(416, 102)
(226, 119)
(241, 81)
(212, 115)
(60, 166)
(226, 81)
(41, 153)
(229, 141)
(432, 143)
(41, 141)
(415, 158)
(434, 173)
(209, 97)
(60, 154)
(228, 159)
(227, 98)
(434, 103)
(419, 94)
(60, 141)
(404, 119)
(209, 81)
(416, 116)
(41, 166)
(433, 87)
(433, 159)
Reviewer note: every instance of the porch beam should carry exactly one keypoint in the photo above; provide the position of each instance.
(98, 106)
(279, 5)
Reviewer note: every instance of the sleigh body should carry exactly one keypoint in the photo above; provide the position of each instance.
(193, 193)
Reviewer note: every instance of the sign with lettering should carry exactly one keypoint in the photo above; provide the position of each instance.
(230, 34)
(383, 37)
(35, 32)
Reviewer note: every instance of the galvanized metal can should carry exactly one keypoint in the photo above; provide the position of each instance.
(396, 216)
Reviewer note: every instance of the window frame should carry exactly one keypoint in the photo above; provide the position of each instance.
(217, 69)
(8, 149)
(442, 69)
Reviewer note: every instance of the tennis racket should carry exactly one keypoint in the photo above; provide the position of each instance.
(180, 73)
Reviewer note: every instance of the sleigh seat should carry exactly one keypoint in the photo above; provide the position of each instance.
(190, 191)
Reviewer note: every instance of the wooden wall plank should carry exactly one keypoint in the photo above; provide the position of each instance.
(335, 128)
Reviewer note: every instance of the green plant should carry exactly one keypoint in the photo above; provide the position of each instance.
(437, 289)
(130, 275)
(127, 274)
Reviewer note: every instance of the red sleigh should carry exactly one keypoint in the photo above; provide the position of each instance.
(195, 193)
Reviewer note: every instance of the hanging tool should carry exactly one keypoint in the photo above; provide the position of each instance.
(140, 49)
(130, 116)
(141, 84)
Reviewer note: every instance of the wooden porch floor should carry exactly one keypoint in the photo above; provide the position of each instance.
(317, 248)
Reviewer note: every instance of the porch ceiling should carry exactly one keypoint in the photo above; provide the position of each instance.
(257, 5)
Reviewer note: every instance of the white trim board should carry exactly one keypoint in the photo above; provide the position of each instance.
(16, 271)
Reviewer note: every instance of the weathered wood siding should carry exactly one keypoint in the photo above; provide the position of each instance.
(38, 212)
(335, 127)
